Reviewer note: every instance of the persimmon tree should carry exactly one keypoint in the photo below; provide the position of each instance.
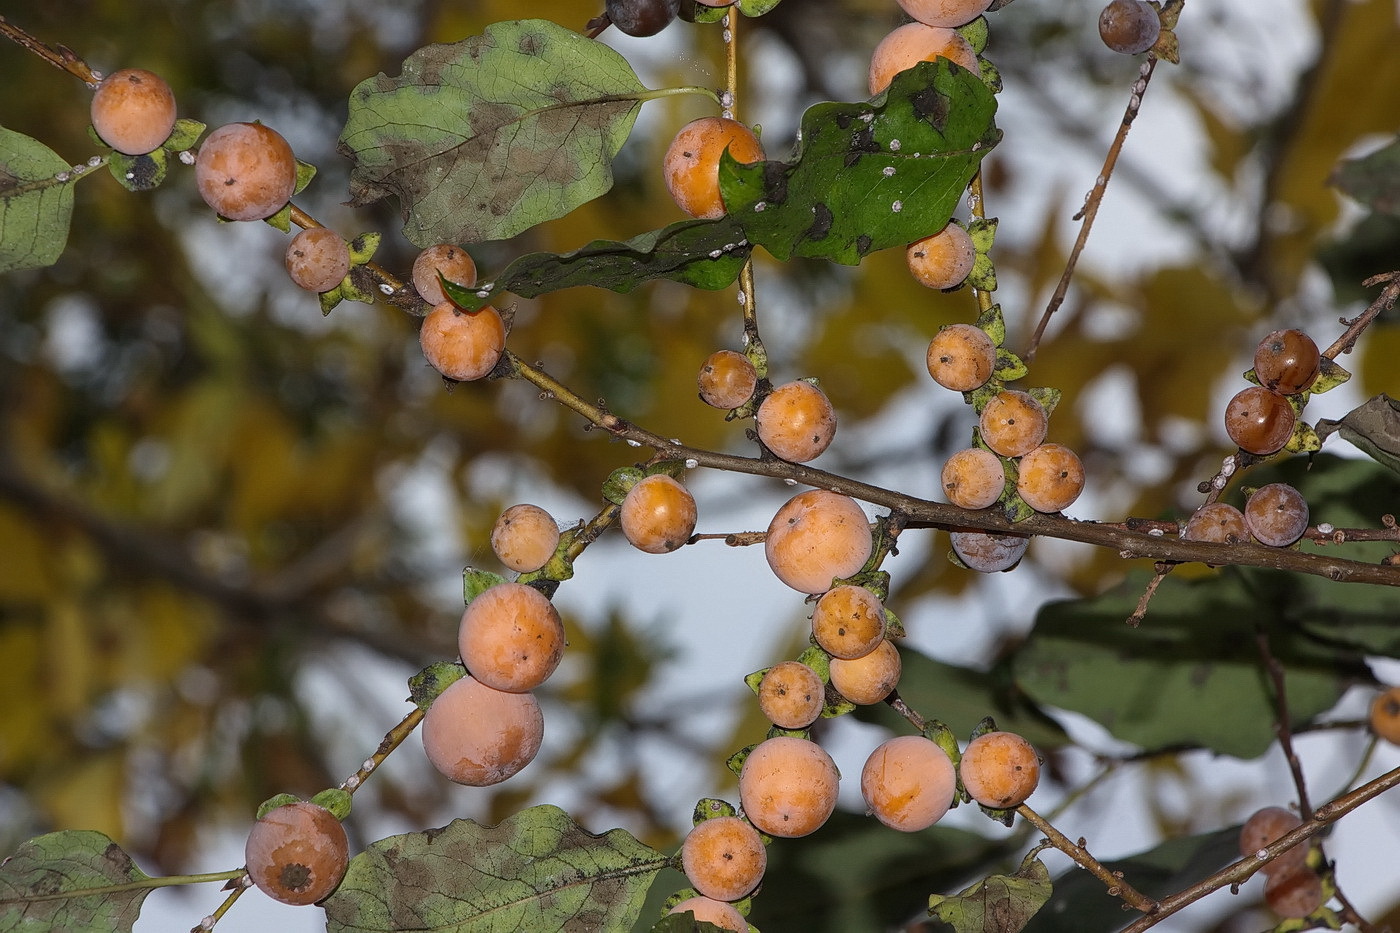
(208, 488)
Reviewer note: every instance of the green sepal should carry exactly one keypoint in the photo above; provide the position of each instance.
(756, 678)
(329, 300)
(818, 660)
(621, 480)
(984, 726)
(1004, 817)
(937, 732)
(1330, 375)
(1047, 397)
(336, 800)
(275, 801)
(705, 14)
(755, 7)
(991, 75)
(425, 686)
(353, 292)
(305, 172)
(362, 248)
(777, 732)
(976, 33)
(183, 135)
(993, 323)
(139, 172)
(710, 808)
(475, 582)
(983, 276)
(893, 627)
(1304, 439)
(282, 220)
(735, 762)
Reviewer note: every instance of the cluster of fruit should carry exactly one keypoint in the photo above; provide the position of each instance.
(1010, 459)
(1293, 890)
(788, 787)
(1263, 419)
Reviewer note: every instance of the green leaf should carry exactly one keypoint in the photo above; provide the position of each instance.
(1373, 179)
(869, 176)
(486, 137)
(998, 904)
(35, 205)
(1081, 904)
(1190, 674)
(69, 861)
(536, 871)
(1373, 427)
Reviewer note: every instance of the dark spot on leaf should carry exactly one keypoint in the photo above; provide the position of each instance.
(530, 44)
(843, 119)
(863, 244)
(775, 182)
(821, 222)
(931, 106)
(862, 143)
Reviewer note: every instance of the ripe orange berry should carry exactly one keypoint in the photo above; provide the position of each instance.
(1050, 478)
(1385, 715)
(788, 786)
(961, 357)
(525, 537)
(245, 171)
(511, 637)
(912, 43)
(1129, 26)
(478, 736)
(1267, 826)
(1259, 420)
(1294, 895)
(817, 536)
(658, 514)
(1218, 522)
(796, 421)
(951, 13)
(1287, 361)
(973, 478)
(727, 379)
(318, 259)
(942, 260)
(1000, 770)
(791, 695)
(848, 622)
(869, 678)
(455, 264)
(708, 910)
(133, 110)
(1013, 423)
(691, 165)
(988, 553)
(908, 783)
(462, 346)
(724, 858)
(297, 854)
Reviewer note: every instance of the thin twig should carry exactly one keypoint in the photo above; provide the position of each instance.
(1117, 887)
(1283, 724)
(60, 56)
(1092, 202)
(1383, 303)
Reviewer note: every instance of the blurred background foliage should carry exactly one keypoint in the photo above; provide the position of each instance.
(211, 499)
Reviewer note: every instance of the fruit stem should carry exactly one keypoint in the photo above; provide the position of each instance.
(60, 56)
(208, 922)
(978, 206)
(729, 101)
(142, 884)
